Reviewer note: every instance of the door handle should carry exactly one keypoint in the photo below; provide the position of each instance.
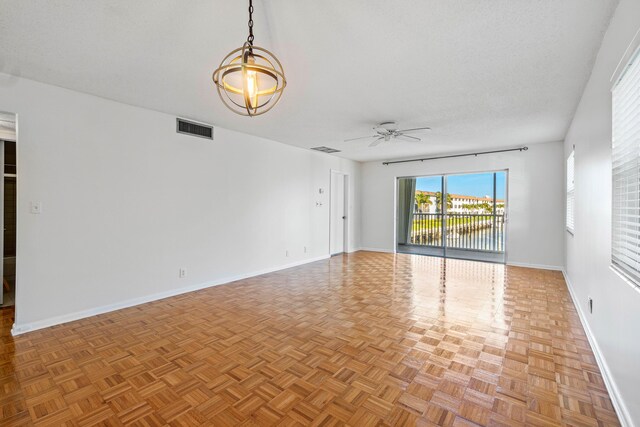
(344, 217)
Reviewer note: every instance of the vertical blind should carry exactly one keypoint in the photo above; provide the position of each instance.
(570, 191)
(625, 248)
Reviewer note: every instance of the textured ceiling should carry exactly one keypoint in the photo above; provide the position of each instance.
(481, 73)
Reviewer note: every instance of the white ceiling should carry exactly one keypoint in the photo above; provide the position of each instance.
(481, 73)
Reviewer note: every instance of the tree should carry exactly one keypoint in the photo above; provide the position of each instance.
(470, 207)
(422, 199)
(439, 201)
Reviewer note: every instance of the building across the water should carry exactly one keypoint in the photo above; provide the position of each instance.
(428, 201)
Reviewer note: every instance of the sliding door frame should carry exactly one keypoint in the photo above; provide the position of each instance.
(444, 204)
(445, 214)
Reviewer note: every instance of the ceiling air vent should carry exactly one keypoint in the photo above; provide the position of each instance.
(326, 149)
(194, 129)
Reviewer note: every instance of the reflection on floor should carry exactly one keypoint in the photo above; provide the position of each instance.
(454, 253)
(362, 339)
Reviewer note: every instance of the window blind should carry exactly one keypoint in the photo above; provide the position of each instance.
(570, 192)
(625, 245)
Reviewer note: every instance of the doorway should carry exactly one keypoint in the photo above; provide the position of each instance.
(338, 213)
(460, 216)
(8, 188)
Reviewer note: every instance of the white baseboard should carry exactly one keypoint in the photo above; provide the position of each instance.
(377, 250)
(539, 266)
(614, 393)
(57, 320)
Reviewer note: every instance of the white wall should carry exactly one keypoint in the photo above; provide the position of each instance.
(615, 321)
(535, 200)
(126, 202)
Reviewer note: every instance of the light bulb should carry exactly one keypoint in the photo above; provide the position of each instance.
(252, 88)
(252, 83)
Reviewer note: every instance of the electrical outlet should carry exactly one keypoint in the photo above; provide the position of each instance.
(182, 273)
(305, 249)
(590, 305)
(286, 253)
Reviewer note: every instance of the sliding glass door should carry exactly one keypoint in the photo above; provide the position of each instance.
(457, 216)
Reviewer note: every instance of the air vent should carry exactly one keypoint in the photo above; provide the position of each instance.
(194, 129)
(326, 149)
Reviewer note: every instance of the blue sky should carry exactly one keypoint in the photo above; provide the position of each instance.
(477, 184)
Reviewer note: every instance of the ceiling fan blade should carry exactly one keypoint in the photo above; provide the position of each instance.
(409, 138)
(377, 141)
(362, 137)
(382, 131)
(413, 129)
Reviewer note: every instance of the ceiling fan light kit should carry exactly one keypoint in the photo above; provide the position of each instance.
(387, 131)
(250, 80)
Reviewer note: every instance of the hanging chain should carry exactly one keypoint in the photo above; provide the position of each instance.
(250, 38)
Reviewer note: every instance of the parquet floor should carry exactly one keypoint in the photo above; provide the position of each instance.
(365, 339)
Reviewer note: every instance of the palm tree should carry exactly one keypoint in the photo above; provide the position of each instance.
(470, 207)
(487, 207)
(439, 201)
(422, 200)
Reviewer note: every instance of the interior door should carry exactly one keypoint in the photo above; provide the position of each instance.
(338, 213)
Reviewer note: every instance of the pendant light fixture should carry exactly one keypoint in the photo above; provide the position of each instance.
(250, 79)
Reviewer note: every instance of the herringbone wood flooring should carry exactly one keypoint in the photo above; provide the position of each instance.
(364, 339)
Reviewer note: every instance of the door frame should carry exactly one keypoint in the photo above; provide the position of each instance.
(15, 139)
(345, 239)
(507, 215)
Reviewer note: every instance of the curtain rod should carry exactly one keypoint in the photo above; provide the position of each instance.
(456, 155)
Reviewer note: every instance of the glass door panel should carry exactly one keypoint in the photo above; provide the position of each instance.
(425, 234)
(475, 216)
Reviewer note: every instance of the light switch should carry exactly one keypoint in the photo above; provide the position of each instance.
(36, 208)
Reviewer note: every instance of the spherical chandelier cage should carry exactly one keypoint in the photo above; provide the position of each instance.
(250, 80)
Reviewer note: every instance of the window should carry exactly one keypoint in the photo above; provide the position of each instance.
(625, 245)
(571, 197)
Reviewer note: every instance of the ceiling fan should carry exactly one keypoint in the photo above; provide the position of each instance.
(387, 131)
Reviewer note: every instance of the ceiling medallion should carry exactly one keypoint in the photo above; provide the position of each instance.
(250, 79)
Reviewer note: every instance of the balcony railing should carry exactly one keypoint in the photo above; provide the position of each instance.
(479, 232)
